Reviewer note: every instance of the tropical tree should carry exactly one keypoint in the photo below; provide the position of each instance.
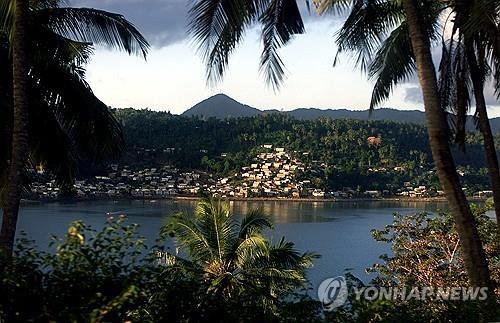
(218, 26)
(65, 121)
(388, 59)
(233, 257)
(19, 134)
(473, 253)
(481, 49)
(391, 40)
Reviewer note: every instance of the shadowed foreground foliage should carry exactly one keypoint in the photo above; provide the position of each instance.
(225, 270)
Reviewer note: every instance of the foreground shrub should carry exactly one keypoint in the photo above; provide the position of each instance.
(425, 253)
(225, 270)
(112, 276)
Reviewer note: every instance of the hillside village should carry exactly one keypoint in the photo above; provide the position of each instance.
(274, 173)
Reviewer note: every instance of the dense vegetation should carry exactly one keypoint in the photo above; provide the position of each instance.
(225, 271)
(339, 144)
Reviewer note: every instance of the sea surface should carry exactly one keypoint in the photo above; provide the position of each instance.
(338, 231)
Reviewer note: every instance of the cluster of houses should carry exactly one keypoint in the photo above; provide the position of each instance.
(418, 191)
(161, 182)
(272, 174)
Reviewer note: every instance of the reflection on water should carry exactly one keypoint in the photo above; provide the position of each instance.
(338, 231)
(286, 212)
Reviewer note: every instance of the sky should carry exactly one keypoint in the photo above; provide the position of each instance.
(173, 76)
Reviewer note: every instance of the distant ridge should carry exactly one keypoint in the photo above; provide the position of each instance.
(221, 106)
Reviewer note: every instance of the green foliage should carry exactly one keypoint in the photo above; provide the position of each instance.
(234, 258)
(68, 124)
(112, 276)
(425, 252)
(226, 271)
(340, 144)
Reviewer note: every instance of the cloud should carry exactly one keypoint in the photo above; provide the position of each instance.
(413, 94)
(162, 22)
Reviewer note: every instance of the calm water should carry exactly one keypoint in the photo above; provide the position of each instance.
(339, 232)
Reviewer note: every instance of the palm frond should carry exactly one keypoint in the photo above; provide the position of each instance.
(254, 222)
(216, 225)
(482, 23)
(94, 26)
(93, 129)
(50, 145)
(455, 87)
(281, 21)
(217, 27)
(366, 27)
(253, 246)
(284, 255)
(393, 64)
(7, 8)
(183, 227)
(333, 6)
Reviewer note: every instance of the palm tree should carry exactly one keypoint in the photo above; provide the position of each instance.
(476, 38)
(381, 35)
(65, 121)
(437, 127)
(20, 114)
(233, 257)
(392, 61)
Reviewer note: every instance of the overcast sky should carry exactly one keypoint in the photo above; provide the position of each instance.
(173, 77)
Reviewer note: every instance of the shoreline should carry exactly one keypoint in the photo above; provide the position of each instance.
(257, 199)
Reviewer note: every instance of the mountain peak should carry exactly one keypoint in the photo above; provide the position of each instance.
(221, 106)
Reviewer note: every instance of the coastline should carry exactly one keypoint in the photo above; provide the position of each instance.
(258, 199)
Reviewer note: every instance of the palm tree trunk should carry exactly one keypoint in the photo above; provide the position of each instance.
(19, 134)
(437, 127)
(484, 125)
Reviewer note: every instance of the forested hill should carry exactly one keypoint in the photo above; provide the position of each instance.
(194, 143)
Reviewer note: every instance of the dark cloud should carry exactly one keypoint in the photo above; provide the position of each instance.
(163, 22)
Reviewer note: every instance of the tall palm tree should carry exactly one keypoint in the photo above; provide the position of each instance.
(20, 114)
(65, 121)
(473, 253)
(233, 257)
(481, 47)
(383, 39)
(391, 61)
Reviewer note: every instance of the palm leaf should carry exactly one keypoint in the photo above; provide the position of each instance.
(93, 26)
(280, 22)
(217, 26)
(455, 87)
(366, 27)
(215, 224)
(254, 222)
(334, 6)
(393, 63)
(183, 227)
